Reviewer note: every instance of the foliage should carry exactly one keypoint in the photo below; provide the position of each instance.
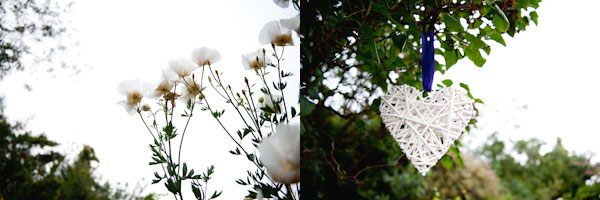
(351, 51)
(549, 176)
(474, 180)
(27, 174)
(174, 171)
(27, 22)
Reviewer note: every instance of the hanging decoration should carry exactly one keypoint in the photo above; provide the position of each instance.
(428, 63)
(426, 126)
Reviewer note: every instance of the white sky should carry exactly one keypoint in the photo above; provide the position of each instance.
(553, 69)
(125, 40)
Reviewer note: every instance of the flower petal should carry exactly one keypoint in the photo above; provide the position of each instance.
(282, 3)
(269, 32)
(291, 23)
(205, 55)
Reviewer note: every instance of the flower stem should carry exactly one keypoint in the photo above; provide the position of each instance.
(228, 98)
(279, 75)
(183, 134)
(236, 142)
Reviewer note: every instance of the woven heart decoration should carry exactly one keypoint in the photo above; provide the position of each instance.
(425, 127)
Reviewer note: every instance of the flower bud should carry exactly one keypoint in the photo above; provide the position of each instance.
(146, 107)
(261, 99)
(246, 80)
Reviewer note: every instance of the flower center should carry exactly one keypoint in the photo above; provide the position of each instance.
(257, 64)
(134, 98)
(283, 40)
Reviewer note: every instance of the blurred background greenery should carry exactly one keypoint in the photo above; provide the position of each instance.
(352, 51)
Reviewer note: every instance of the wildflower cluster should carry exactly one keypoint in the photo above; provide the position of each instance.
(264, 113)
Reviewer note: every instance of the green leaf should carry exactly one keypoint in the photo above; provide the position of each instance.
(468, 90)
(474, 42)
(171, 186)
(451, 57)
(447, 82)
(197, 192)
(191, 173)
(463, 85)
(215, 194)
(475, 56)
(399, 41)
(184, 169)
(366, 34)
(534, 17)
(383, 9)
(447, 162)
(500, 20)
(306, 107)
(460, 160)
(522, 3)
(452, 24)
(487, 50)
(498, 38)
(250, 157)
(360, 125)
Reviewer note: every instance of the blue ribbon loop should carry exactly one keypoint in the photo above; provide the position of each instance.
(428, 63)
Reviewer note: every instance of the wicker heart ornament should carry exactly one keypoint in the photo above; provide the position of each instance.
(425, 127)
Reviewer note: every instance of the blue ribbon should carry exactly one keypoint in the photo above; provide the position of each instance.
(428, 63)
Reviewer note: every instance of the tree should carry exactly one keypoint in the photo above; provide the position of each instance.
(47, 175)
(24, 23)
(549, 176)
(351, 51)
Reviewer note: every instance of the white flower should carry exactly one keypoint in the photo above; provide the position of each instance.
(204, 56)
(280, 154)
(272, 32)
(166, 84)
(291, 23)
(255, 60)
(282, 3)
(182, 67)
(134, 91)
(191, 90)
(266, 101)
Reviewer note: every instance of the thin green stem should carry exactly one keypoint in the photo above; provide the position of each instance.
(281, 89)
(183, 134)
(236, 142)
(144, 121)
(262, 77)
(252, 101)
(228, 99)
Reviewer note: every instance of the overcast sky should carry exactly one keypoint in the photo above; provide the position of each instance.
(544, 83)
(125, 40)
